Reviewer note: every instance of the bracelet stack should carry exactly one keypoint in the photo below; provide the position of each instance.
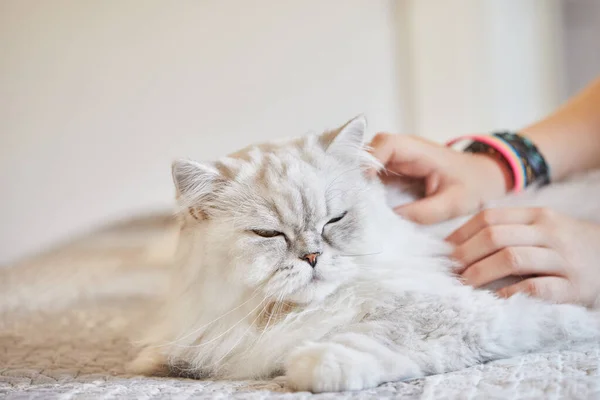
(519, 154)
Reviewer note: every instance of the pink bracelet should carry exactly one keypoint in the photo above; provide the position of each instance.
(506, 151)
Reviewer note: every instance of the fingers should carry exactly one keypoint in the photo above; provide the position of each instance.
(491, 239)
(436, 208)
(383, 147)
(514, 261)
(419, 168)
(414, 157)
(551, 288)
(403, 154)
(493, 216)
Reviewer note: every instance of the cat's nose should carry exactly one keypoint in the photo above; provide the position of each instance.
(311, 258)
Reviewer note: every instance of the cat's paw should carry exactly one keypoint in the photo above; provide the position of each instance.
(331, 367)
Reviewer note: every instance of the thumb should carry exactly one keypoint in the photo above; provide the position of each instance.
(406, 155)
(439, 207)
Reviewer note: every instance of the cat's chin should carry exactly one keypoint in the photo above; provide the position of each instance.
(315, 291)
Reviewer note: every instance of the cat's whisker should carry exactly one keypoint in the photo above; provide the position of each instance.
(387, 171)
(206, 325)
(256, 340)
(242, 336)
(333, 193)
(333, 181)
(273, 312)
(342, 174)
(359, 255)
(226, 331)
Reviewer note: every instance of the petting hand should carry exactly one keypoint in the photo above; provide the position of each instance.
(559, 254)
(455, 183)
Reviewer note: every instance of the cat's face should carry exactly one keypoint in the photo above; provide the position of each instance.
(287, 219)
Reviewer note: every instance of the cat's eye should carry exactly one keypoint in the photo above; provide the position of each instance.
(266, 233)
(337, 219)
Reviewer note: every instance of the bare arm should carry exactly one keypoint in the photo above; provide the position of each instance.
(569, 138)
(459, 183)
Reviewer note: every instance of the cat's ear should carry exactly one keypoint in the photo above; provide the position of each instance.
(195, 184)
(347, 140)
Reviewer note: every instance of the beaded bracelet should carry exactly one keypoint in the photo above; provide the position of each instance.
(521, 156)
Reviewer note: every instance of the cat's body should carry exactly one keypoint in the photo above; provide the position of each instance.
(291, 262)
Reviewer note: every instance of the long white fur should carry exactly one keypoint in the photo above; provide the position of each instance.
(381, 304)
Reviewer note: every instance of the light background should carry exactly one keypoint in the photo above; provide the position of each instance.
(97, 97)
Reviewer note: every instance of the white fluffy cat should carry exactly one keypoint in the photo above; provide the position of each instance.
(292, 263)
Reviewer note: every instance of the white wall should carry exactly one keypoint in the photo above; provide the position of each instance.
(582, 43)
(97, 97)
(482, 65)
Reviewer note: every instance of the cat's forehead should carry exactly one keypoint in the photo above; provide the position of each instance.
(292, 183)
(262, 163)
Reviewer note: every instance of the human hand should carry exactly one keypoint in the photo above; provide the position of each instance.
(559, 255)
(455, 183)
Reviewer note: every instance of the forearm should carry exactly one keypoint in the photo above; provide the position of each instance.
(569, 139)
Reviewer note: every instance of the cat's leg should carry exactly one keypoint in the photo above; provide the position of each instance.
(423, 335)
(347, 361)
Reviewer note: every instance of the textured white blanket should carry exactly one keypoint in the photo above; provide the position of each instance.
(65, 319)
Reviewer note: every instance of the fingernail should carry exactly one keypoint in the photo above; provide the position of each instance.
(465, 280)
(399, 210)
(457, 267)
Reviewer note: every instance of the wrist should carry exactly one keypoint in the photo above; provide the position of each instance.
(496, 175)
(519, 154)
(551, 148)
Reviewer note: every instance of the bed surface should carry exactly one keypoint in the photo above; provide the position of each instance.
(66, 319)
